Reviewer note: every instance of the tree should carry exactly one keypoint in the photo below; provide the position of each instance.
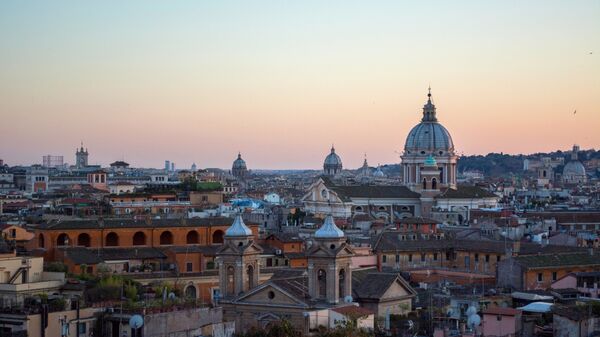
(282, 329)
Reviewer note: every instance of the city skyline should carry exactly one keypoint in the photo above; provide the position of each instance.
(198, 82)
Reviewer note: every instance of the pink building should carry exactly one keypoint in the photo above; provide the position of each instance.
(498, 321)
(586, 283)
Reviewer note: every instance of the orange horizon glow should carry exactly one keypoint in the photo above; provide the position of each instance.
(197, 82)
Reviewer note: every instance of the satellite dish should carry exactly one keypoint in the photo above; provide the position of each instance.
(471, 311)
(348, 299)
(136, 321)
(172, 296)
(473, 321)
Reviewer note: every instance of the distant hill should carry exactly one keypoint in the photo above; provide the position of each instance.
(501, 164)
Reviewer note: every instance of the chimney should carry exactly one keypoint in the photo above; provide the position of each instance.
(516, 248)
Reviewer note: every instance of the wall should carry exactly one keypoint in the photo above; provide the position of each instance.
(493, 327)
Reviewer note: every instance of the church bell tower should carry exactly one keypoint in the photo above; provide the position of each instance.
(238, 260)
(329, 265)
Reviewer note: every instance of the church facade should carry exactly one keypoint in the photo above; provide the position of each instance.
(302, 296)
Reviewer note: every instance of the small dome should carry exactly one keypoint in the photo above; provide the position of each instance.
(574, 168)
(239, 163)
(329, 230)
(430, 161)
(238, 228)
(332, 158)
(379, 173)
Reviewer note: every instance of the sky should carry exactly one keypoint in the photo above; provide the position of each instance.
(281, 81)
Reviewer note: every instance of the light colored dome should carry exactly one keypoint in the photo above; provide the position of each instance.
(329, 230)
(332, 158)
(429, 136)
(574, 168)
(379, 173)
(239, 163)
(238, 228)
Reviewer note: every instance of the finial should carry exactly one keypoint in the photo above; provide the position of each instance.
(429, 92)
(332, 148)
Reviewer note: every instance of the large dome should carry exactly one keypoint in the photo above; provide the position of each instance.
(574, 168)
(429, 136)
(239, 163)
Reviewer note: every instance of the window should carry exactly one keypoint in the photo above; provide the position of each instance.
(409, 257)
(499, 317)
(447, 256)
(384, 258)
(540, 277)
(397, 258)
(476, 257)
(189, 267)
(554, 276)
(487, 258)
(434, 256)
(422, 257)
(82, 328)
(498, 258)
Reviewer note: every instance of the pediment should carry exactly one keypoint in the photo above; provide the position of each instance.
(252, 248)
(269, 294)
(321, 251)
(231, 249)
(395, 290)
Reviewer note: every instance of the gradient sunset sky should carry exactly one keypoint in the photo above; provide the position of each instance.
(196, 81)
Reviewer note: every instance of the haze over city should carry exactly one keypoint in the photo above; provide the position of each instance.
(200, 81)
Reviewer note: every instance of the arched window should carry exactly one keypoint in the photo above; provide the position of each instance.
(342, 283)
(139, 239)
(358, 209)
(190, 292)
(84, 240)
(382, 208)
(230, 283)
(217, 237)
(433, 184)
(322, 281)
(192, 237)
(166, 238)
(424, 183)
(250, 277)
(441, 174)
(41, 242)
(62, 240)
(544, 173)
(112, 239)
